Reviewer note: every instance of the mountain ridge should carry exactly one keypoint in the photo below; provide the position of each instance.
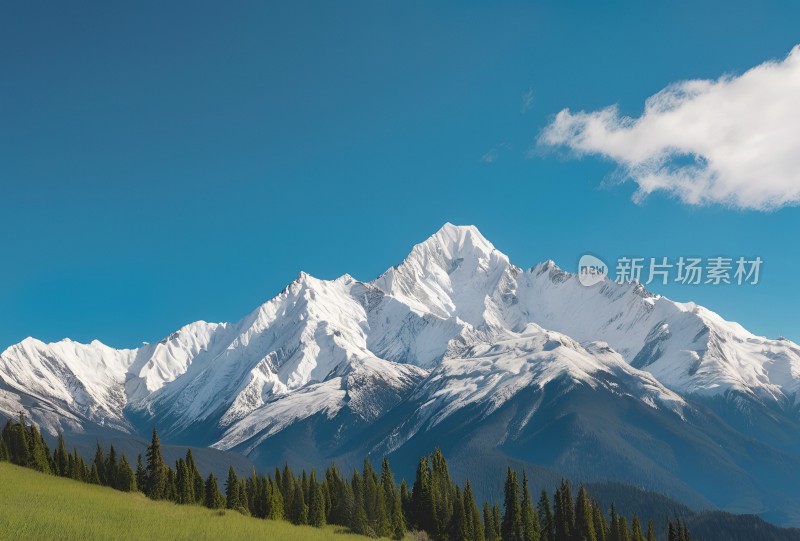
(454, 328)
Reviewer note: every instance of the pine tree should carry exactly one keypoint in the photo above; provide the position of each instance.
(156, 486)
(299, 509)
(141, 474)
(405, 502)
(232, 490)
(358, 520)
(614, 525)
(530, 520)
(18, 443)
(636, 529)
(473, 515)
(214, 498)
(198, 484)
(488, 523)
(38, 453)
(287, 482)
(61, 457)
(584, 518)
(184, 483)
(511, 528)
(110, 475)
(624, 532)
(564, 513)
(545, 517)
(316, 511)
(422, 499)
(276, 506)
(672, 534)
(651, 530)
(94, 476)
(100, 464)
(457, 528)
(496, 521)
(124, 477)
(600, 525)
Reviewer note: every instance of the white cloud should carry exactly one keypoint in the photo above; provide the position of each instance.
(734, 141)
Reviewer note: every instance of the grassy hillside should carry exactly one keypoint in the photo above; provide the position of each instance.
(38, 506)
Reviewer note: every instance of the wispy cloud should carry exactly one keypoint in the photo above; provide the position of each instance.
(527, 100)
(494, 153)
(733, 141)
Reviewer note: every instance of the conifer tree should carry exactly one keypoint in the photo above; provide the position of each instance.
(651, 530)
(184, 483)
(5, 455)
(636, 530)
(530, 520)
(476, 530)
(497, 521)
(100, 464)
(624, 532)
(111, 468)
(214, 498)
(156, 486)
(19, 444)
(94, 476)
(457, 529)
(511, 528)
(358, 521)
(61, 457)
(316, 511)
(672, 534)
(600, 525)
(198, 483)
(584, 518)
(422, 499)
(564, 513)
(276, 506)
(545, 517)
(405, 502)
(287, 481)
(232, 490)
(299, 510)
(488, 523)
(141, 474)
(124, 477)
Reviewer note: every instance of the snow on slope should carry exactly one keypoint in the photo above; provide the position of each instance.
(491, 374)
(687, 347)
(453, 299)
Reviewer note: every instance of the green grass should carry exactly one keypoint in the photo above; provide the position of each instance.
(43, 507)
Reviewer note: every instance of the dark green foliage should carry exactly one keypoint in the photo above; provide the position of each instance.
(213, 497)
(156, 483)
(124, 478)
(61, 457)
(511, 528)
(141, 474)
(368, 503)
(546, 517)
(530, 520)
(232, 490)
(474, 524)
(298, 513)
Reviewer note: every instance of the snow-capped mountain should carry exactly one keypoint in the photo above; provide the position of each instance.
(453, 332)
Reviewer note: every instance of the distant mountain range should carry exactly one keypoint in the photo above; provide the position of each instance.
(460, 349)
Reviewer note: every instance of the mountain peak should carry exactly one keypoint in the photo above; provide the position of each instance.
(458, 241)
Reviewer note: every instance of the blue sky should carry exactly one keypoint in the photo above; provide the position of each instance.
(162, 164)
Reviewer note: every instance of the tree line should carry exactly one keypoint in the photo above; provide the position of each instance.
(369, 502)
